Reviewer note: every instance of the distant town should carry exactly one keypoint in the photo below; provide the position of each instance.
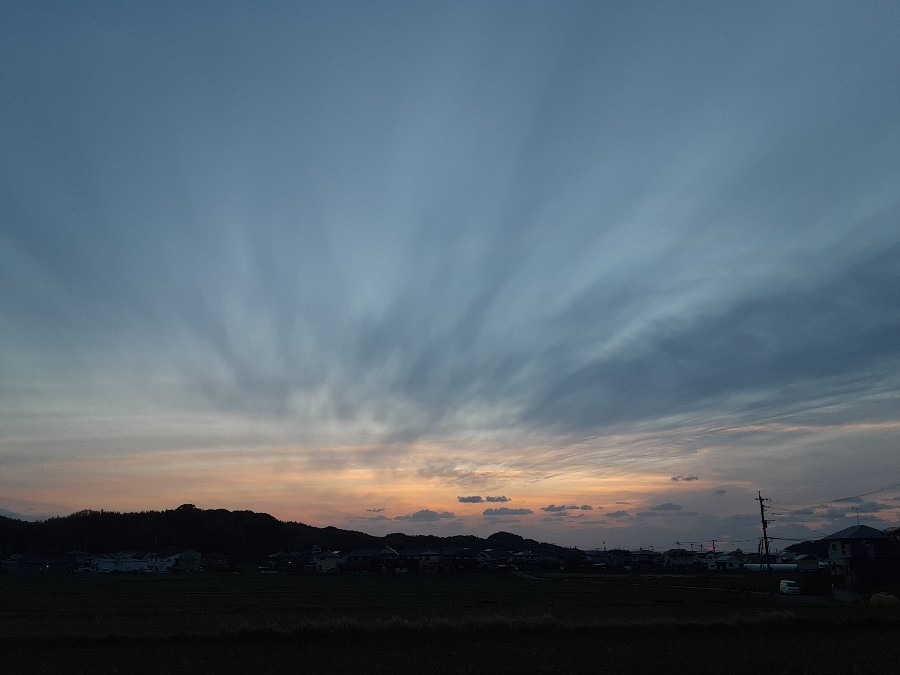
(189, 540)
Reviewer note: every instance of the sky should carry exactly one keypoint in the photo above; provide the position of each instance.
(596, 273)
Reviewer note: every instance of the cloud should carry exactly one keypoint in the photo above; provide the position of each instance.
(817, 339)
(426, 516)
(554, 508)
(375, 510)
(719, 493)
(450, 472)
(618, 514)
(667, 506)
(662, 509)
(430, 305)
(371, 519)
(503, 511)
(870, 507)
(656, 514)
(478, 499)
(594, 523)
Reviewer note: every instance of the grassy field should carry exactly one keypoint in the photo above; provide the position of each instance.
(491, 623)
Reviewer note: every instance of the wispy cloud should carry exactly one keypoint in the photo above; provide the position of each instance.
(450, 472)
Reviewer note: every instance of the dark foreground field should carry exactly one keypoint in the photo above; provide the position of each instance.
(248, 624)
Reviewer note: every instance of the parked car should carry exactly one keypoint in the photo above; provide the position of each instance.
(788, 587)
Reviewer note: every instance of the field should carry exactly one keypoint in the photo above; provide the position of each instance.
(490, 623)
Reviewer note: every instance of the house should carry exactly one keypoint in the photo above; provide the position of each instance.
(893, 534)
(12, 562)
(216, 562)
(645, 559)
(679, 559)
(806, 562)
(729, 562)
(373, 561)
(597, 559)
(458, 559)
(421, 560)
(618, 559)
(325, 562)
(313, 561)
(284, 562)
(41, 562)
(862, 558)
(130, 562)
(173, 560)
(78, 560)
(534, 561)
(493, 559)
(757, 561)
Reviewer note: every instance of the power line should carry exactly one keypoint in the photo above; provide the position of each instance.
(843, 499)
(802, 527)
(866, 494)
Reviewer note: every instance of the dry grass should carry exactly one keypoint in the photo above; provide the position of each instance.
(491, 624)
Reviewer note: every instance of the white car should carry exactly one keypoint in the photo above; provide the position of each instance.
(789, 587)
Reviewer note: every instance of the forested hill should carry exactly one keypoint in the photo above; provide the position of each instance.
(241, 535)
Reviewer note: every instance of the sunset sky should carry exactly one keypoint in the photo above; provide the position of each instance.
(591, 272)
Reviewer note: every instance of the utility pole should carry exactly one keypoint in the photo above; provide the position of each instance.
(762, 517)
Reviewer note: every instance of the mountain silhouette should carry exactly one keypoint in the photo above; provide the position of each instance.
(241, 536)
